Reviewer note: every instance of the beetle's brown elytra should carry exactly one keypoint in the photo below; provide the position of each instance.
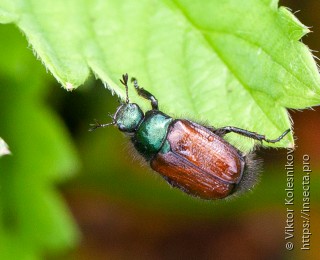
(206, 169)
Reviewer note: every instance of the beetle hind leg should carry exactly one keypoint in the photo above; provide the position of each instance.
(145, 94)
(253, 135)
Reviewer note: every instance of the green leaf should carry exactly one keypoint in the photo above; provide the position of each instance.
(33, 217)
(218, 61)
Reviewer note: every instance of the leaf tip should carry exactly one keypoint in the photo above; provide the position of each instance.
(296, 30)
(4, 149)
(69, 86)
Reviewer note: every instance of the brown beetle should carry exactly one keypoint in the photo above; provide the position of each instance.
(194, 158)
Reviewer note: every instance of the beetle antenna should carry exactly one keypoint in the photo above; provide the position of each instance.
(111, 115)
(98, 125)
(124, 82)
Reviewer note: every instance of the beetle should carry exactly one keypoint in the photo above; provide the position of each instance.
(189, 156)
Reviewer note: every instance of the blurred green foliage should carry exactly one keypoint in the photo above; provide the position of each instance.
(33, 219)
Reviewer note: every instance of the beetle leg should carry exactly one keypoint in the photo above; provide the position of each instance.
(231, 129)
(145, 94)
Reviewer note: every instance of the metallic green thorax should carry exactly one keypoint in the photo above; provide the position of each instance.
(151, 133)
(148, 132)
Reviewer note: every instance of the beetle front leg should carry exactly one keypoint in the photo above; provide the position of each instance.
(145, 94)
(231, 129)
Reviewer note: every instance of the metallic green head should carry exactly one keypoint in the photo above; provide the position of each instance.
(128, 117)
